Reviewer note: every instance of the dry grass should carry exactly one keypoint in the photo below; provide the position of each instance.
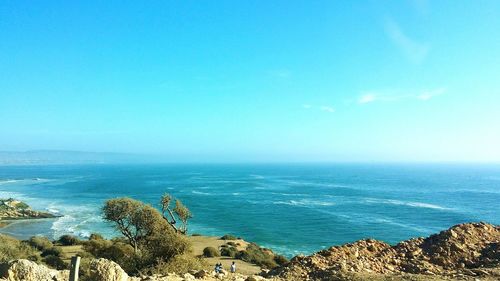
(200, 242)
(70, 251)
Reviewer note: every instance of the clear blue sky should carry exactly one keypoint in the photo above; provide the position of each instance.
(253, 80)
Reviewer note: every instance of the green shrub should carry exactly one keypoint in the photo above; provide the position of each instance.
(244, 256)
(55, 262)
(180, 264)
(40, 242)
(54, 251)
(280, 260)
(96, 236)
(229, 237)
(210, 252)
(117, 251)
(11, 249)
(22, 206)
(96, 247)
(84, 269)
(232, 244)
(229, 252)
(257, 255)
(69, 240)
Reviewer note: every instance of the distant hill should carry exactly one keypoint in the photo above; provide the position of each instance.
(39, 157)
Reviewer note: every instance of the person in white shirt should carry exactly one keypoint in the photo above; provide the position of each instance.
(233, 267)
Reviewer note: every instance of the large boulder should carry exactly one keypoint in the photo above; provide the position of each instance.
(106, 270)
(22, 270)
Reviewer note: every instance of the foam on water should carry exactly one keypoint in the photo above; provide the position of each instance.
(273, 206)
(404, 203)
(305, 202)
(200, 192)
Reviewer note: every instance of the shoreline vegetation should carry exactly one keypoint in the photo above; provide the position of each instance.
(154, 245)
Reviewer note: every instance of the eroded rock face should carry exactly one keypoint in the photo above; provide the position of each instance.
(22, 270)
(466, 249)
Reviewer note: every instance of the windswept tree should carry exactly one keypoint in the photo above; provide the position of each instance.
(179, 212)
(152, 238)
(134, 219)
(140, 223)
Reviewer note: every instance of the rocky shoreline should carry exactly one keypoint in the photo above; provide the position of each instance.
(12, 209)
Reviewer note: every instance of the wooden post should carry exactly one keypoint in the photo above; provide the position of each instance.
(73, 271)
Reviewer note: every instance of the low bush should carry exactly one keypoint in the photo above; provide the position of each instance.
(55, 262)
(180, 264)
(96, 236)
(280, 260)
(117, 251)
(69, 240)
(11, 249)
(210, 252)
(257, 255)
(229, 252)
(40, 243)
(54, 251)
(232, 244)
(229, 237)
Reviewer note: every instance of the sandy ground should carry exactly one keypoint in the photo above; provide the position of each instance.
(199, 243)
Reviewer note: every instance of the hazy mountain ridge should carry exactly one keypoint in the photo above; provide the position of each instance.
(44, 157)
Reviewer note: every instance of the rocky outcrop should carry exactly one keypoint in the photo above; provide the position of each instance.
(106, 270)
(470, 249)
(11, 209)
(22, 270)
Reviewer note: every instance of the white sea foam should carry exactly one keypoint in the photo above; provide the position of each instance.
(8, 181)
(24, 181)
(304, 202)
(404, 203)
(200, 193)
(291, 194)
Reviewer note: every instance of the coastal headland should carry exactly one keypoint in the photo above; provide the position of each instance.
(12, 210)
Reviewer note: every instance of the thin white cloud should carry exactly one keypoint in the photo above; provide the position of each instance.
(324, 108)
(367, 98)
(423, 95)
(427, 95)
(415, 51)
(327, 108)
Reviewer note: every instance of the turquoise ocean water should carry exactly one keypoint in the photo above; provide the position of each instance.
(290, 208)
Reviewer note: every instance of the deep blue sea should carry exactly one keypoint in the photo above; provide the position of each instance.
(299, 208)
